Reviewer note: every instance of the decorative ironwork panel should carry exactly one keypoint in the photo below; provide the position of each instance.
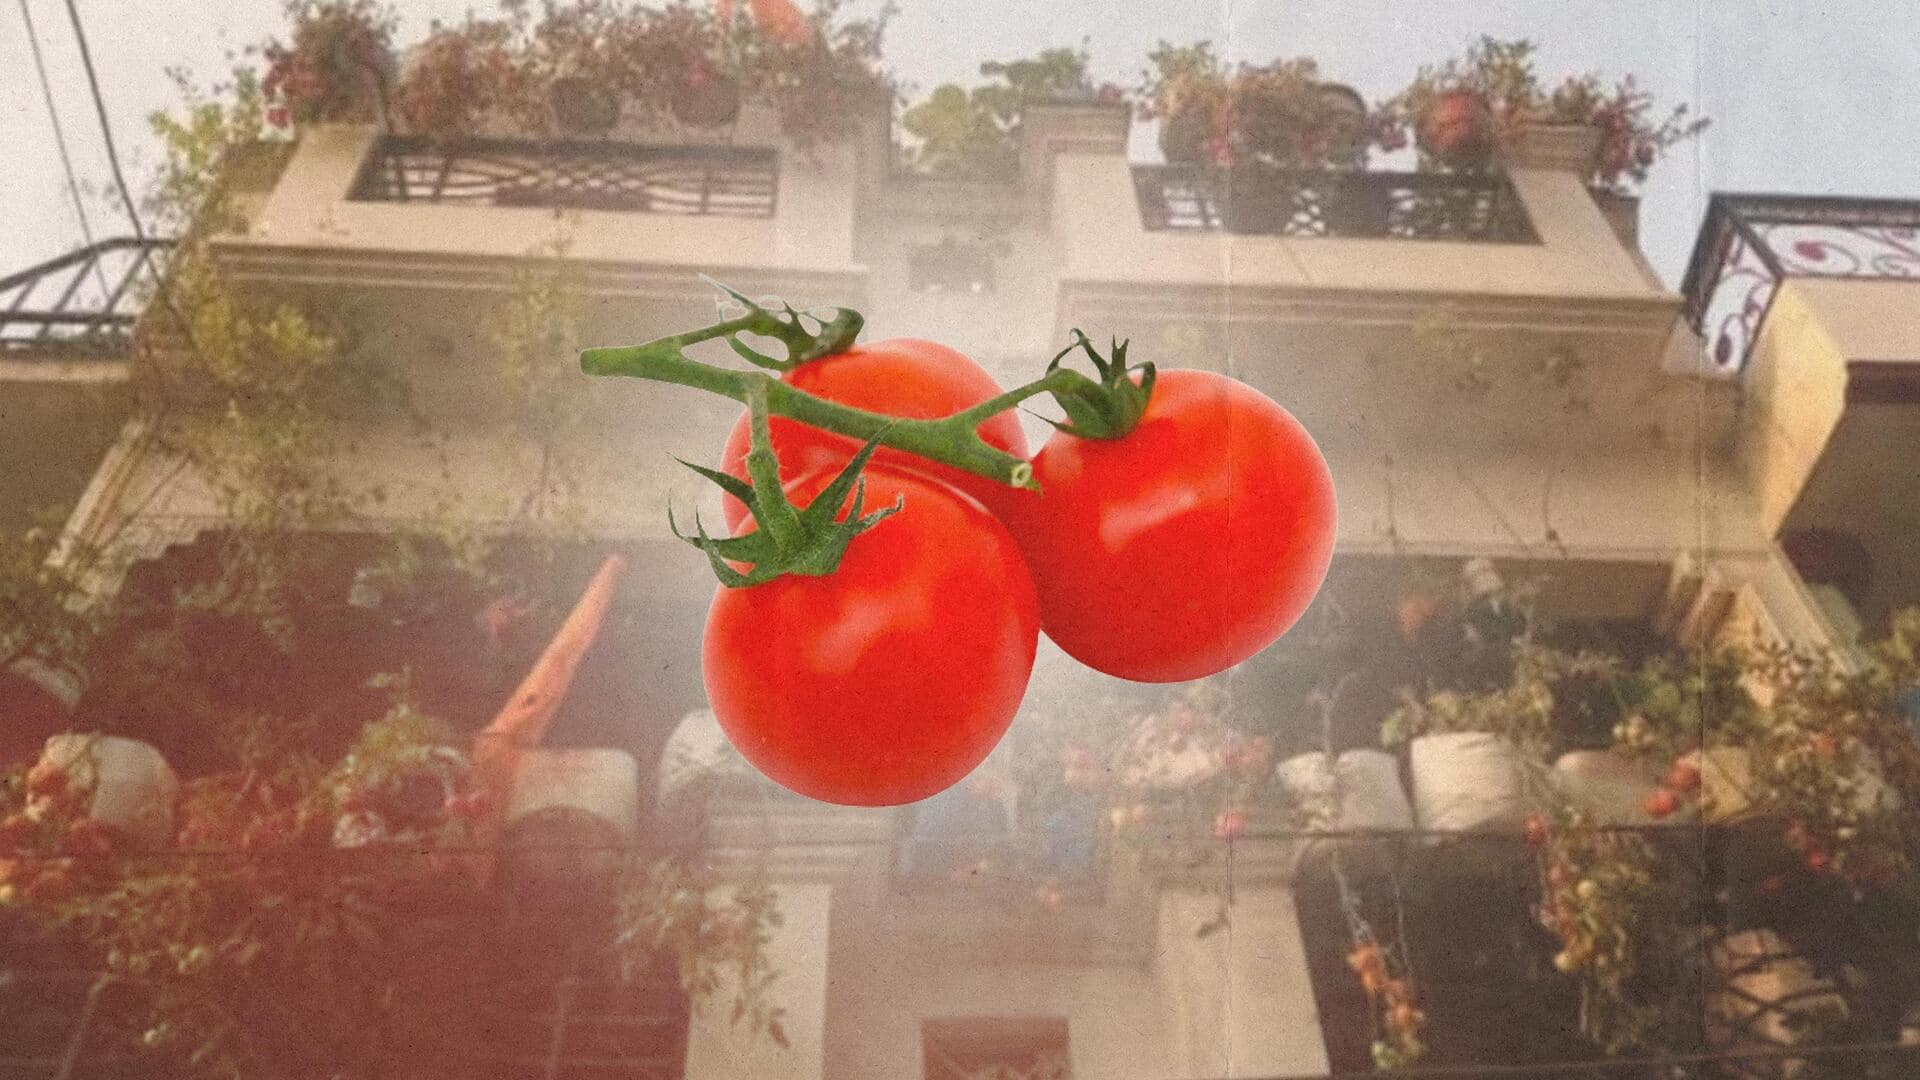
(85, 301)
(1360, 205)
(719, 180)
(1750, 243)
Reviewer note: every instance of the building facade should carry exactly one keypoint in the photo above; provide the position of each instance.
(1488, 362)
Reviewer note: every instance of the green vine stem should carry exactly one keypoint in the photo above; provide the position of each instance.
(952, 440)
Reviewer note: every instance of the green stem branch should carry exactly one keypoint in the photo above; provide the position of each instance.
(952, 440)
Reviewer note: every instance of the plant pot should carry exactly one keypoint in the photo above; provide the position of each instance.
(1457, 131)
(1573, 148)
(1766, 996)
(1609, 787)
(706, 99)
(570, 812)
(132, 787)
(1358, 791)
(583, 107)
(1346, 116)
(1469, 781)
(1186, 132)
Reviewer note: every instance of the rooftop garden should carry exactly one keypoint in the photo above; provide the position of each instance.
(579, 69)
(592, 68)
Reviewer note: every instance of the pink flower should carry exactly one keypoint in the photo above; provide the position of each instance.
(1230, 824)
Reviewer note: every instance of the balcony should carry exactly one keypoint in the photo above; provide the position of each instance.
(550, 175)
(82, 304)
(1751, 244)
(1353, 205)
(1792, 295)
(66, 327)
(358, 207)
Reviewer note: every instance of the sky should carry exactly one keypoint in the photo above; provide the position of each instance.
(1812, 96)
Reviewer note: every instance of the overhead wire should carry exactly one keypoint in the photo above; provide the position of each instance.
(60, 142)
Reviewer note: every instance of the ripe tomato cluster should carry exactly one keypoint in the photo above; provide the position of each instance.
(1172, 526)
(1170, 553)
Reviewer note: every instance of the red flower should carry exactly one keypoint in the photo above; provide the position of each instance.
(1662, 803)
(1537, 830)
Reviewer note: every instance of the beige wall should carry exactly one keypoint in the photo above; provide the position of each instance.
(812, 229)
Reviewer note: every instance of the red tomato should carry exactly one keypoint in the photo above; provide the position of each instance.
(919, 380)
(1186, 545)
(888, 680)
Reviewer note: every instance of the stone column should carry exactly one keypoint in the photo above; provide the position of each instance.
(718, 1049)
(1239, 999)
(804, 851)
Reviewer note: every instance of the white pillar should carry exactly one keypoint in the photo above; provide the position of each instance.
(718, 1049)
(1240, 999)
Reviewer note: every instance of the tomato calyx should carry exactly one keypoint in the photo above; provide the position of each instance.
(833, 332)
(1107, 409)
(788, 540)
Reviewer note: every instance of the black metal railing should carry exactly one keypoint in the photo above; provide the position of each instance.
(722, 181)
(1751, 243)
(85, 301)
(1360, 205)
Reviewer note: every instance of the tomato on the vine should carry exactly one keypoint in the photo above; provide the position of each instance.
(1185, 545)
(905, 377)
(891, 678)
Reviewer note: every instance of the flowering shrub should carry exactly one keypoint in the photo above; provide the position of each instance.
(338, 65)
(457, 77)
(1790, 753)
(1280, 113)
(1469, 111)
(584, 66)
(315, 921)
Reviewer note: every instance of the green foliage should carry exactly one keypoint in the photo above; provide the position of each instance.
(1501, 76)
(582, 66)
(976, 132)
(1280, 113)
(671, 908)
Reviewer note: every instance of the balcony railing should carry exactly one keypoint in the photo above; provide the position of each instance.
(714, 180)
(85, 301)
(1357, 205)
(1751, 243)
(959, 838)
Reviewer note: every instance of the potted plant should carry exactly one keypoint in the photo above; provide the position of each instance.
(1186, 91)
(338, 66)
(568, 68)
(457, 79)
(705, 97)
(1489, 108)
(1630, 137)
(1464, 112)
(315, 920)
(1281, 114)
